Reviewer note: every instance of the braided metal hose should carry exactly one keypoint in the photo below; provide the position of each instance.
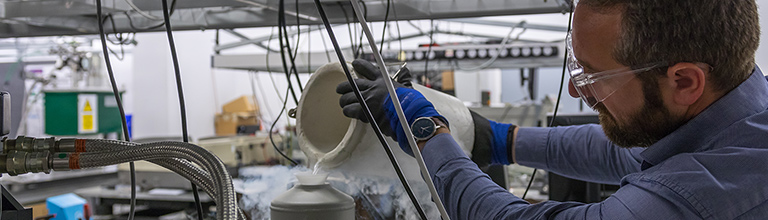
(189, 171)
(162, 150)
(183, 167)
(149, 152)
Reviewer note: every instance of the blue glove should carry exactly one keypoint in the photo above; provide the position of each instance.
(414, 106)
(493, 142)
(375, 93)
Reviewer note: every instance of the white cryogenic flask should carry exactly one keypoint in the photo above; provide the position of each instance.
(313, 198)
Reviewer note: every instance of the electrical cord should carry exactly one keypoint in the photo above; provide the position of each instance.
(273, 127)
(130, 20)
(309, 51)
(284, 101)
(432, 31)
(269, 70)
(142, 12)
(119, 39)
(116, 92)
(353, 45)
(367, 111)
(559, 95)
(298, 30)
(397, 24)
(359, 51)
(325, 46)
(292, 55)
(384, 31)
(280, 31)
(180, 91)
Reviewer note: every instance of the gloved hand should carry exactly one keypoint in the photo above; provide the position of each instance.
(493, 142)
(374, 91)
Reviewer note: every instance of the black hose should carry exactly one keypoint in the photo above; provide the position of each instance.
(280, 25)
(182, 105)
(116, 92)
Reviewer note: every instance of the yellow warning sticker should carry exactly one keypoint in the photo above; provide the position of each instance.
(87, 107)
(87, 113)
(87, 122)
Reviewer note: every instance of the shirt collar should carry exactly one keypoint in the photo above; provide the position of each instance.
(747, 99)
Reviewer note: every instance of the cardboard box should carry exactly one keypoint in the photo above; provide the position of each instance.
(241, 104)
(227, 123)
(38, 210)
(448, 81)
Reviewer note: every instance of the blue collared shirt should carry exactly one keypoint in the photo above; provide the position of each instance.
(713, 167)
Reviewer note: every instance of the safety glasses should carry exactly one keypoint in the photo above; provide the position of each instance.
(594, 88)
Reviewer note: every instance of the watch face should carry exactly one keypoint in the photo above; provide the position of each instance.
(423, 128)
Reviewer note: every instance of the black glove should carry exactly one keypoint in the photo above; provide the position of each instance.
(403, 76)
(493, 142)
(374, 91)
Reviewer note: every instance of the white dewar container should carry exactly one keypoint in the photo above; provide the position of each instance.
(327, 136)
(349, 149)
(313, 198)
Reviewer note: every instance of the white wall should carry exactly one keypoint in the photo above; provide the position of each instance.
(154, 101)
(762, 52)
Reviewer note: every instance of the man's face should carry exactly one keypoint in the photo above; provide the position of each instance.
(635, 115)
(650, 124)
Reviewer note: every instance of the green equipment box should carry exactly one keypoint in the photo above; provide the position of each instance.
(80, 112)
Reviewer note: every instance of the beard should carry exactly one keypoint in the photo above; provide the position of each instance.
(645, 127)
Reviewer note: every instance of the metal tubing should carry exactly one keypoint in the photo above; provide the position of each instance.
(163, 150)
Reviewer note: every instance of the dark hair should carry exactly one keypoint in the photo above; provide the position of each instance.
(721, 33)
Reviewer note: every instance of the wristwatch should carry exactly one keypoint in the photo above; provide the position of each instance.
(424, 128)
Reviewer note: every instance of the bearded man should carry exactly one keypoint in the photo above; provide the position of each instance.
(683, 119)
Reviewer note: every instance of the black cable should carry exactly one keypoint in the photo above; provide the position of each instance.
(432, 31)
(325, 46)
(116, 92)
(384, 31)
(180, 91)
(309, 50)
(292, 55)
(217, 42)
(119, 39)
(271, 128)
(397, 24)
(130, 20)
(298, 30)
(359, 51)
(285, 102)
(280, 26)
(559, 95)
(357, 48)
(349, 27)
(296, 50)
(367, 112)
